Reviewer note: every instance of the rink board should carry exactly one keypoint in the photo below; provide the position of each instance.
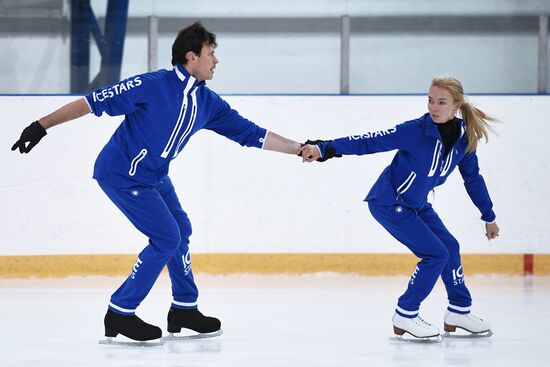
(362, 264)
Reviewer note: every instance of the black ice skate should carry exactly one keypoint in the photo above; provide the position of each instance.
(194, 320)
(132, 327)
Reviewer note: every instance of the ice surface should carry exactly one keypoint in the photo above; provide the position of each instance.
(310, 320)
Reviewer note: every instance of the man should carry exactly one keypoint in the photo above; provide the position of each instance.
(162, 109)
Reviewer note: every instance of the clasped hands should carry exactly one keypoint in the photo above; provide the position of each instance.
(310, 151)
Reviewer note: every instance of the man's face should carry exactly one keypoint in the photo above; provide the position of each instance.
(202, 66)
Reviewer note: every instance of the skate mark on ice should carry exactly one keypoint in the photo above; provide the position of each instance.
(112, 341)
(485, 334)
(175, 337)
(428, 340)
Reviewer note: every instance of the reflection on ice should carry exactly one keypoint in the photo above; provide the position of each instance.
(311, 320)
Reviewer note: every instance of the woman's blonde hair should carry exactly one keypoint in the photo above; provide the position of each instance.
(476, 120)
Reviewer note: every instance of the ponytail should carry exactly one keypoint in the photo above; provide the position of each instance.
(477, 126)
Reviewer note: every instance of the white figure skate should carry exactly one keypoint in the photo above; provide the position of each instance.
(420, 330)
(473, 325)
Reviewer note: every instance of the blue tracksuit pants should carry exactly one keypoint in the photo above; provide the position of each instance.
(157, 213)
(425, 235)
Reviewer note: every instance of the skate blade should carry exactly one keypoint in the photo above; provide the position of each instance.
(113, 341)
(485, 334)
(175, 337)
(413, 339)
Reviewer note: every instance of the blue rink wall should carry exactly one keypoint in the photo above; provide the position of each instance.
(248, 201)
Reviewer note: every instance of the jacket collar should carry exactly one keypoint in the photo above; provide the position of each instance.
(431, 128)
(184, 76)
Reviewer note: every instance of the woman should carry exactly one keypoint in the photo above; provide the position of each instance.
(429, 149)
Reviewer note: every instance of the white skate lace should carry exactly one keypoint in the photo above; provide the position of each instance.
(420, 321)
(474, 318)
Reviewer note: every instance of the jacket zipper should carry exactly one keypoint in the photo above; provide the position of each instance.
(447, 160)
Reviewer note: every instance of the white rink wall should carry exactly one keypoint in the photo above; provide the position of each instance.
(253, 201)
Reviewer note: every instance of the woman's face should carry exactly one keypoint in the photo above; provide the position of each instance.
(441, 105)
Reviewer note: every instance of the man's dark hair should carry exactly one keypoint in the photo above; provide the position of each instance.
(191, 38)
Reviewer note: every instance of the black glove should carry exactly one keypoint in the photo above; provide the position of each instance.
(32, 134)
(330, 152)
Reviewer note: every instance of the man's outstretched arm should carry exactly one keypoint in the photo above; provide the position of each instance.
(37, 130)
(68, 112)
(281, 144)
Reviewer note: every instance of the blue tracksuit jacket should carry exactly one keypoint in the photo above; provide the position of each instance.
(419, 164)
(162, 109)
